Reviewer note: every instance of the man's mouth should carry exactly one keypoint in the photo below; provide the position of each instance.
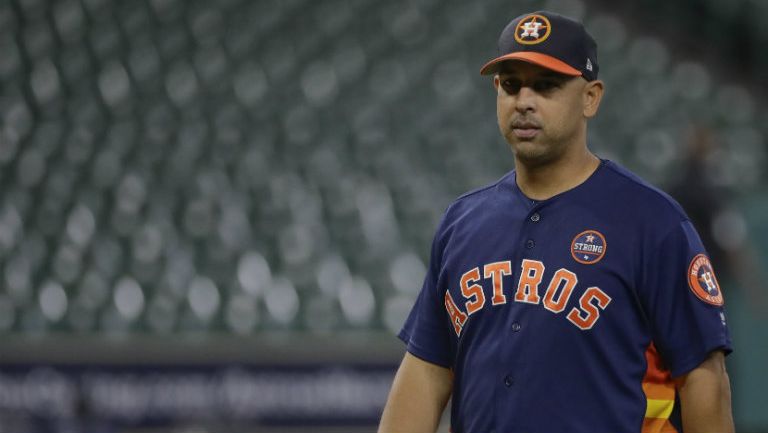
(525, 130)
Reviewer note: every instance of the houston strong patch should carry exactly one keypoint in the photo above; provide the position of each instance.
(588, 247)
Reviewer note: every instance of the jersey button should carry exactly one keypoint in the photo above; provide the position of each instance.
(535, 217)
(516, 327)
(508, 381)
(530, 243)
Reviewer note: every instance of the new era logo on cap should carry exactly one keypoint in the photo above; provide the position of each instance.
(549, 40)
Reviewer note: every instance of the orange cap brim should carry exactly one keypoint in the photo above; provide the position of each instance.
(540, 59)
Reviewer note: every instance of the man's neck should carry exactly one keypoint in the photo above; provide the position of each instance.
(545, 181)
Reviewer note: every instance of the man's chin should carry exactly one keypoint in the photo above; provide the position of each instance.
(532, 155)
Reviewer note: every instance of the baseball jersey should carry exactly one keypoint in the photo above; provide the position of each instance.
(570, 314)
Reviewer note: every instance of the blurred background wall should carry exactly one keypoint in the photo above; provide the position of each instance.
(215, 215)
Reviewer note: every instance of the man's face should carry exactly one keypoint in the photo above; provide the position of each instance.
(541, 113)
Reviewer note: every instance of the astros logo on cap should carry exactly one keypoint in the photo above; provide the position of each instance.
(702, 281)
(533, 29)
(588, 247)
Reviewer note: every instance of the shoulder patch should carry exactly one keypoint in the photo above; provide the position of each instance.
(702, 281)
(588, 247)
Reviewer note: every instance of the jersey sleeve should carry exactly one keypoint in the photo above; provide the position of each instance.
(425, 332)
(683, 300)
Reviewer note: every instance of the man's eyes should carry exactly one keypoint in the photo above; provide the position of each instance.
(543, 85)
(511, 86)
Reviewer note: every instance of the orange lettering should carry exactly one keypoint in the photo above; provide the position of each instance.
(458, 318)
(567, 280)
(530, 278)
(472, 291)
(587, 321)
(496, 271)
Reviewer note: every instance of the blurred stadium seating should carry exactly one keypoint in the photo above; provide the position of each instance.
(173, 167)
(187, 166)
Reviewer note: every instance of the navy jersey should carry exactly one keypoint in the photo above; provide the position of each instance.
(570, 314)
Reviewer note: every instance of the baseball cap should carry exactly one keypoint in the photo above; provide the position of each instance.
(549, 40)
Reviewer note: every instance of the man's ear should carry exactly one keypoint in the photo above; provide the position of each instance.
(593, 94)
(496, 82)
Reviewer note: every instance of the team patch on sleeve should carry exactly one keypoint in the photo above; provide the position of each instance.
(702, 281)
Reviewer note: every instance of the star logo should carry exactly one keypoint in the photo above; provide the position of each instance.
(702, 281)
(532, 29)
(590, 239)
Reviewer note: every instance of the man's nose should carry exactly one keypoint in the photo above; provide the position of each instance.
(526, 100)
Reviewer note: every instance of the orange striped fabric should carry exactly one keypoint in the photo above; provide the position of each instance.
(659, 392)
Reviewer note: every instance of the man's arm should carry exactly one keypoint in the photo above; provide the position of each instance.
(418, 397)
(705, 397)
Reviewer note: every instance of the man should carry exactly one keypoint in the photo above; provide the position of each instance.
(570, 296)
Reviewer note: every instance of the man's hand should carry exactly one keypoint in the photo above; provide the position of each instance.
(418, 397)
(705, 397)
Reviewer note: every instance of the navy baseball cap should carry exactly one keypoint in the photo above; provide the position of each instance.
(549, 40)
